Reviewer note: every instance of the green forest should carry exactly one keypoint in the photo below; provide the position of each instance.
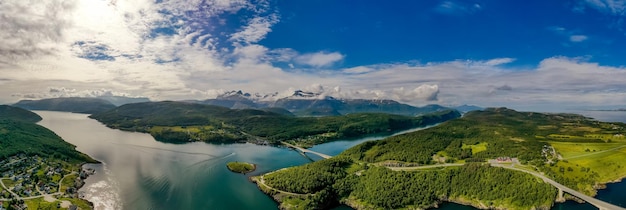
(20, 135)
(573, 150)
(182, 122)
(18, 114)
(342, 180)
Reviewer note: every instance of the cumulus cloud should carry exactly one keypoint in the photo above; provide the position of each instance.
(31, 28)
(173, 50)
(319, 59)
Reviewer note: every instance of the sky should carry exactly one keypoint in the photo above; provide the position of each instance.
(521, 54)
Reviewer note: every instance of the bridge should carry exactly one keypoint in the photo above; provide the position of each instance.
(325, 156)
(591, 200)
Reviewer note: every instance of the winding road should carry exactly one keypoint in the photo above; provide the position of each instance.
(591, 200)
(37, 196)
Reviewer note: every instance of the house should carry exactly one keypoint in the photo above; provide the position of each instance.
(503, 159)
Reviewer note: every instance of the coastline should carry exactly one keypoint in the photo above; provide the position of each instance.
(82, 183)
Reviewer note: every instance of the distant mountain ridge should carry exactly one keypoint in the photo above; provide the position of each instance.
(303, 103)
(72, 104)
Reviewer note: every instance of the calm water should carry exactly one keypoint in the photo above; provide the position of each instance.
(141, 173)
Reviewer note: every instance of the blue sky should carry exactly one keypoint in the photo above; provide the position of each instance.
(522, 54)
(436, 31)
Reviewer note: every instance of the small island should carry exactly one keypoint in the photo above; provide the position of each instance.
(241, 167)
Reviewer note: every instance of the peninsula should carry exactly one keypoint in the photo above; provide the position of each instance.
(513, 160)
(38, 170)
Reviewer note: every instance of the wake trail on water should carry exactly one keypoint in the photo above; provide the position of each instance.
(210, 160)
(169, 150)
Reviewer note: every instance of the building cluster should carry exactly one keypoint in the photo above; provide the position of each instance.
(27, 177)
(549, 153)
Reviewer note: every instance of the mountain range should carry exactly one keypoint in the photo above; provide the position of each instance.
(300, 103)
(303, 103)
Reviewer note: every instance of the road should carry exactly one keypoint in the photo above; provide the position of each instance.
(261, 181)
(7, 189)
(591, 200)
(424, 167)
(32, 197)
(325, 156)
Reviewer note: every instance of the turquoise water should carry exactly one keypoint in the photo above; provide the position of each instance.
(141, 173)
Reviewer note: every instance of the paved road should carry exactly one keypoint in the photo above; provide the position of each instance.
(593, 201)
(261, 181)
(32, 197)
(325, 156)
(6, 188)
(424, 167)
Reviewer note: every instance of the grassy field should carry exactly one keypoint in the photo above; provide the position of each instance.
(68, 181)
(82, 204)
(40, 203)
(572, 150)
(601, 162)
(476, 148)
(9, 183)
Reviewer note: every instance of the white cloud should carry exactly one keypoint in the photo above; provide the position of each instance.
(614, 7)
(578, 38)
(319, 59)
(358, 70)
(457, 8)
(40, 47)
(256, 30)
(499, 61)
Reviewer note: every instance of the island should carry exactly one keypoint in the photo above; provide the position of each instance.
(38, 169)
(241, 167)
(497, 158)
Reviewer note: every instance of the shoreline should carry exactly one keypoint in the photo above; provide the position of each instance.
(82, 183)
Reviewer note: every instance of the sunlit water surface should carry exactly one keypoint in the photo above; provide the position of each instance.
(141, 173)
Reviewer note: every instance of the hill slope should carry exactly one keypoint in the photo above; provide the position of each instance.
(571, 149)
(179, 121)
(16, 113)
(19, 134)
(77, 105)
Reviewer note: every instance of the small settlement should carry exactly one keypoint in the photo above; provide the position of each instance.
(29, 177)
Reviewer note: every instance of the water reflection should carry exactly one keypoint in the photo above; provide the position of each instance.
(142, 173)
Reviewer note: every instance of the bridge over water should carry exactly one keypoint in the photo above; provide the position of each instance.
(325, 156)
(562, 188)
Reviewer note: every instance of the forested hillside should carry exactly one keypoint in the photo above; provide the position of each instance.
(182, 122)
(20, 134)
(328, 182)
(16, 113)
(73, 104)
(573, 150)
